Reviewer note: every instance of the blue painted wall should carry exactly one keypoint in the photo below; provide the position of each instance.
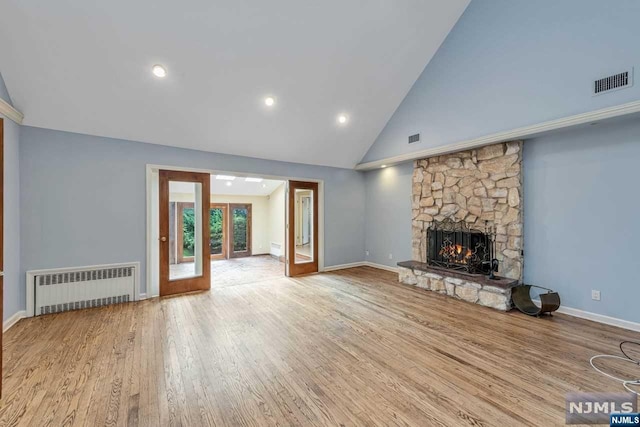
(83, 198)
(511, 63)
(388, 218)
(582, 216)
(13, 283)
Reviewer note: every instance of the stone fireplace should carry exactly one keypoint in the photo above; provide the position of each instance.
(480, 192)
(453, 245)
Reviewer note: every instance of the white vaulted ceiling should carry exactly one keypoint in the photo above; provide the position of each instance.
(85, 66)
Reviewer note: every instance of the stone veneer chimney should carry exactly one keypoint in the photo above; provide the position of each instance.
(474, 186)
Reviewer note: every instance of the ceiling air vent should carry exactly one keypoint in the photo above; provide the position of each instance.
(614, 82)
(414, 138)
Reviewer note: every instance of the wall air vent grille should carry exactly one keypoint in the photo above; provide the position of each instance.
(414, 138)
(614, 82)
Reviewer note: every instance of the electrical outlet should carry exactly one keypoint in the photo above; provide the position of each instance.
(595, 295)
(366, 253)
(390, 256)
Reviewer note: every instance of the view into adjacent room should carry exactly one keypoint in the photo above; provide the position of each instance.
(247, 229)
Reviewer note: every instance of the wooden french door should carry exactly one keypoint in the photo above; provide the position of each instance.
(1, 239)
(221, 227)
(184, 214)
(302, 228)
(239, 230)
(219, 230)
(179, 278)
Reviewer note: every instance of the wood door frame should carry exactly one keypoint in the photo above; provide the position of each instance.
(247, 253)
(294, 269)
(152, 199)
(1, 239)
(203, 282)
(225, 229)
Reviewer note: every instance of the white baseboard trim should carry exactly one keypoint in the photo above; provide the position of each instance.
(361, 264)
(381, 266)
(142, 296)
(600, 318)
(343, 266)
(13, 320)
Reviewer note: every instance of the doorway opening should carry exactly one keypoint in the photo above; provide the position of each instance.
(246, 225)
(246, 230)
(303, 228)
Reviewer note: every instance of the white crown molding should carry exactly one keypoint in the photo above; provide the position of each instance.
(9, 112)
(13, 320)
(509, 135)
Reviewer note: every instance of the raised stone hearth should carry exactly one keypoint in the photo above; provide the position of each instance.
(472, 288)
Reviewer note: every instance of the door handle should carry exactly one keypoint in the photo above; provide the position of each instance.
(163, 239)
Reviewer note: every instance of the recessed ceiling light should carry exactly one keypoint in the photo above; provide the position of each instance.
(383, 166)
(252, 179)
(343, 119)
(228, 183)
(269, 101)
(264, 185)
(226, 177)
(159, 71)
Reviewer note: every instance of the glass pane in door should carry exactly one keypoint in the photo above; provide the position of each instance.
(303, 226)
(186, 234)
(240, 218)
(216, 225)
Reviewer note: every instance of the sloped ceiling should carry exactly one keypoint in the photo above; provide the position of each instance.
(85, 66)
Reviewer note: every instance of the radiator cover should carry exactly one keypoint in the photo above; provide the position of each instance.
(67, 289)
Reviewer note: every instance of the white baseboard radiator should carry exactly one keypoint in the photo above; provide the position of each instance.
(276, 249)
(67, 289)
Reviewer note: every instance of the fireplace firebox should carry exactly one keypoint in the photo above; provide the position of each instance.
(455, 246)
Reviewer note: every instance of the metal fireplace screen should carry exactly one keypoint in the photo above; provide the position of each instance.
(455, 246)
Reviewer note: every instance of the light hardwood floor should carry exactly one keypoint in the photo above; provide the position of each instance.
(351, 347)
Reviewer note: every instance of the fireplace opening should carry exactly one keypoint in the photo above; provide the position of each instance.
(455, 246)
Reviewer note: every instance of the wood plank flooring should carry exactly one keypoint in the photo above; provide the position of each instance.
(350, 348)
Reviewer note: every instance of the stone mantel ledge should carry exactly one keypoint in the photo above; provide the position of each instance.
(476, 289)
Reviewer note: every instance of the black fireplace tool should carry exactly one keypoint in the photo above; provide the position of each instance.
(494, 268)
